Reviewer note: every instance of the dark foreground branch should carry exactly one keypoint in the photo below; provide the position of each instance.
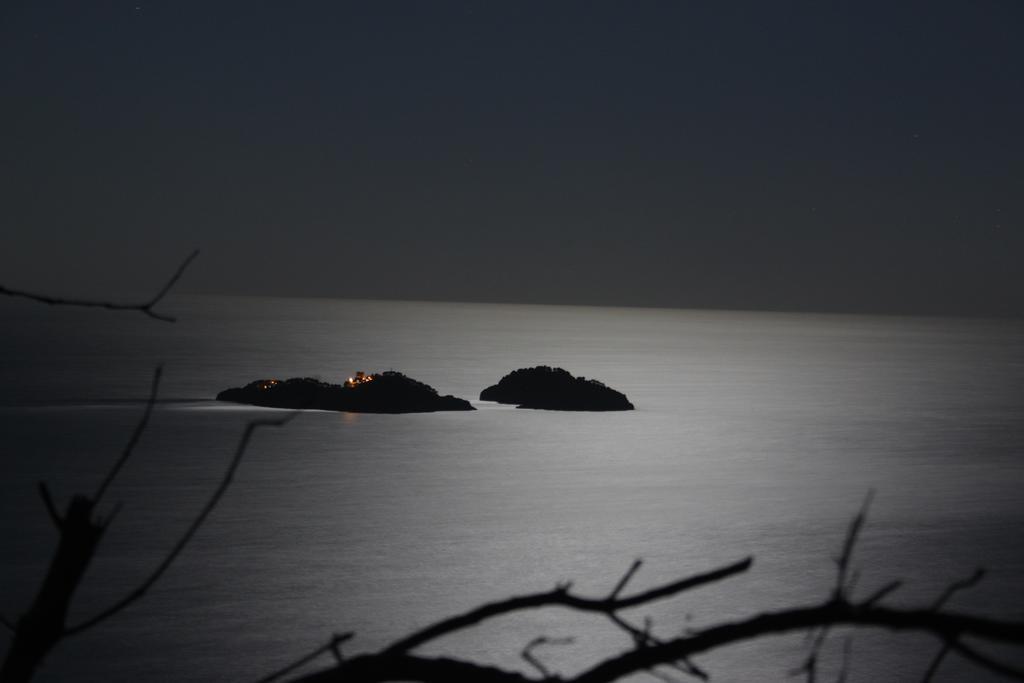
(133, 441)
(404, 667)
(229, 474)
(396, 663)
(392, 666)
(332, 646)
(945, 626)
(43, 625)
(560, 597)
(145, 307)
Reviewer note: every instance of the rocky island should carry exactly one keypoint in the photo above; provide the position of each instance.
(549, 388)
(385, 392)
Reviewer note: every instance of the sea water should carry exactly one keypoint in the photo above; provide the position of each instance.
(754, 434)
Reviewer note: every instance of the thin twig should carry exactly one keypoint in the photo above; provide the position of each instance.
(105, 522)
(882, 592)
(561, 597)
(844, 670)
(936, 662)
(335, 646)
(854, 579)
(987, 662)
(688, 667)
(664, 678)
(189, 533)
(960, 585)
(330, 646)
(843, 562)
(640, 637)
(145, 307)
(51, 507)
(644, 637)
(625, 579)
(134, 440)
(170, 283)
(527, 653)
(810, 665)
(842, 588)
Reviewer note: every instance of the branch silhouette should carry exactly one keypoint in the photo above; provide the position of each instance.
(42, 627)
(397, 662)
(134, 440)
(215, 498)
(332, 646)
(403, 666)
(946, 626)
(145, 307)
(561, 597)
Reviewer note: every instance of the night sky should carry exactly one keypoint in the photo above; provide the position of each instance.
(824, 156)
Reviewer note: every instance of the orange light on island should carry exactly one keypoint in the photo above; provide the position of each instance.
(360, 378)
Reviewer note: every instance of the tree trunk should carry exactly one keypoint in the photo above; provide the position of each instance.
(42, 626)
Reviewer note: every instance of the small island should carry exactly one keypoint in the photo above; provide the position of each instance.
(547, 388)
(385, 392)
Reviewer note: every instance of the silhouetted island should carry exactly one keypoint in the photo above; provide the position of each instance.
(549, 388)
(385, 392)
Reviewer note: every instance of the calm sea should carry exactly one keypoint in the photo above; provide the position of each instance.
(754, 434)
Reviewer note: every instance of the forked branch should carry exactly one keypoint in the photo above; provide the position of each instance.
(397, 663)
(145, 307)
(225, 482)
(397, 666)
(560, 597)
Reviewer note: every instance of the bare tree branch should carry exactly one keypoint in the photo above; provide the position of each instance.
(843, 562)
(625, 579)
(329, 646)
(842, 588)
(134, 440)
(189, 533)
(809, 667)
(644, 637)
(664, 678)
(395, 663)
(51, 507)
(936, 662)
(527, 653)
(391, 666)
(947, 626)
(960, 585)
(986, 662)
(41, 626)
(949, 646)
(561, 597)
(882, 592)
(844, 670)
(145, 307)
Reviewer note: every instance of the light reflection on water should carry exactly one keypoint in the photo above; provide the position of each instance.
(754, 434)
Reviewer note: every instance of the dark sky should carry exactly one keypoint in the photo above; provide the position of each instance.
(844, 156)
